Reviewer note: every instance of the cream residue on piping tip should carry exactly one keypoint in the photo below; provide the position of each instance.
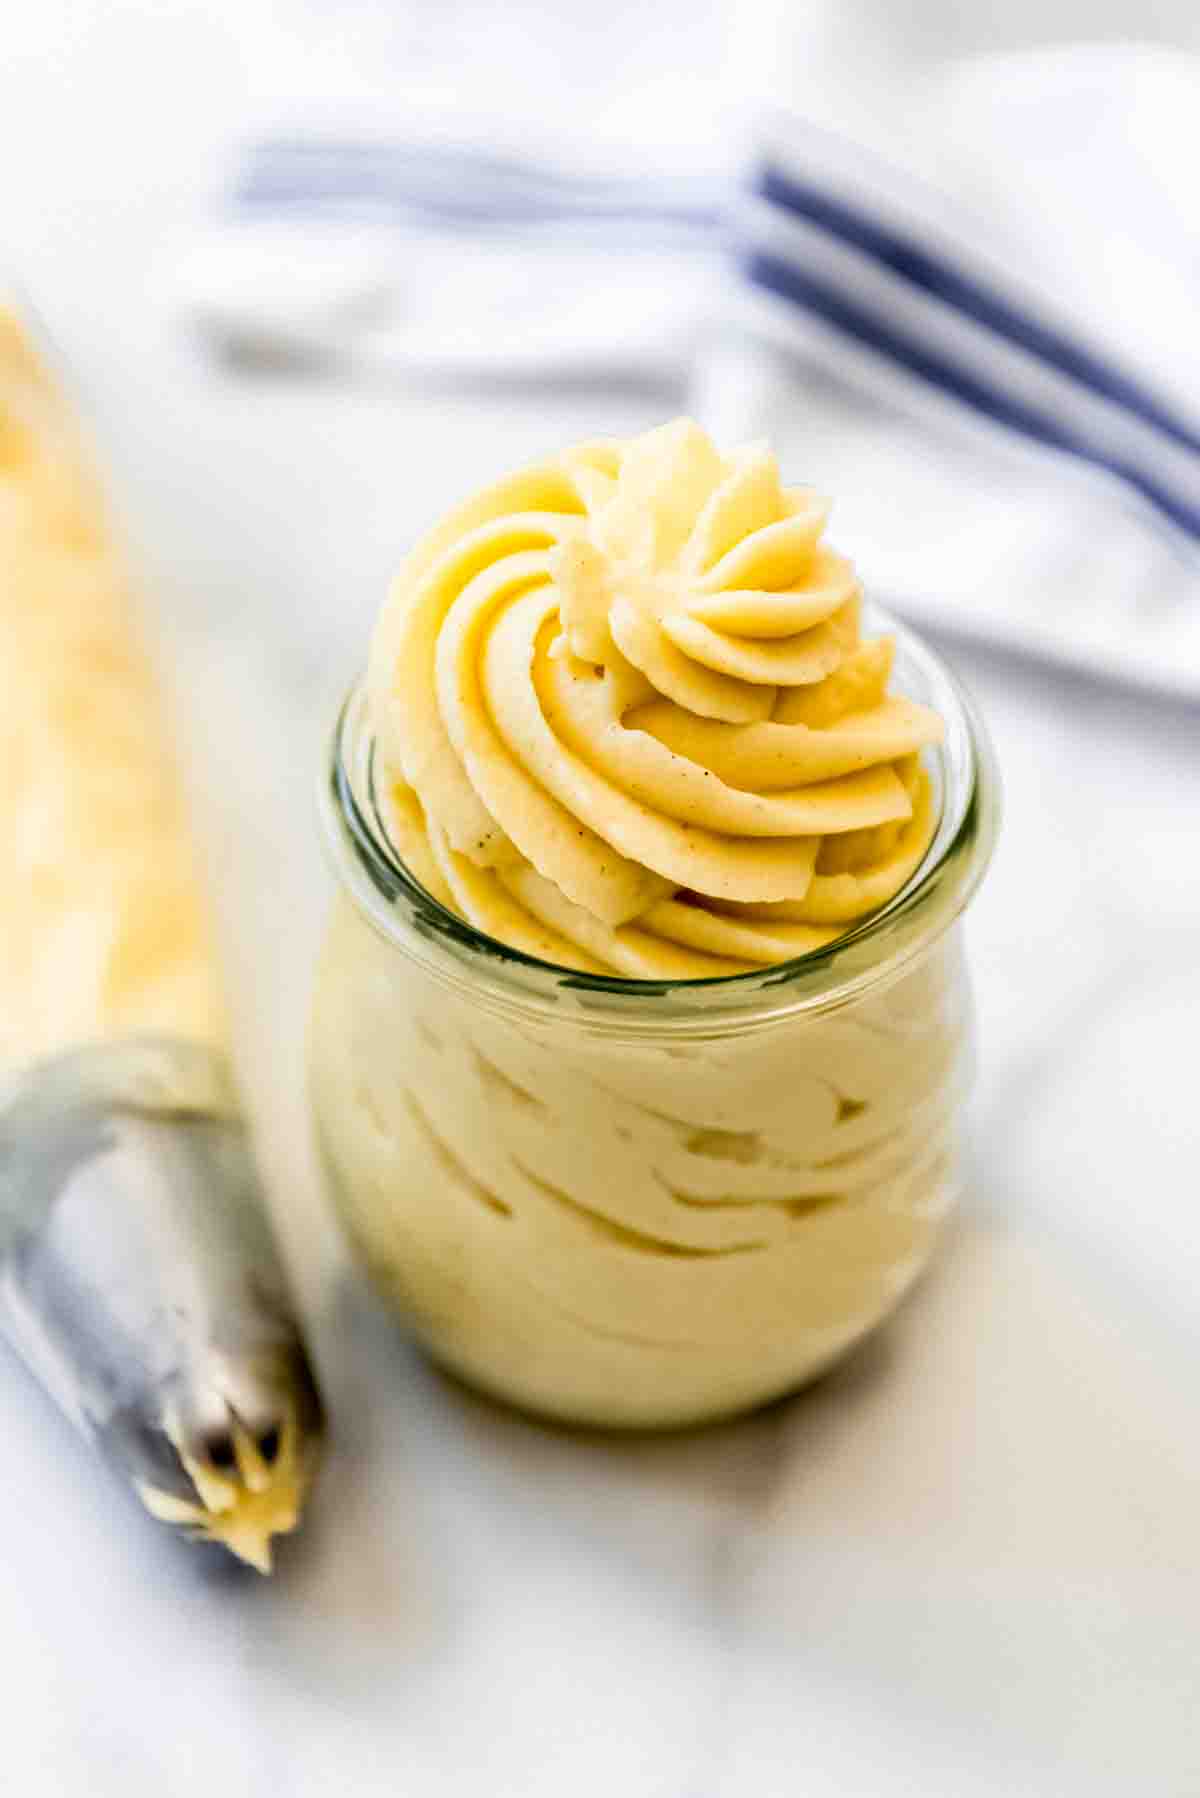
(244, 1507)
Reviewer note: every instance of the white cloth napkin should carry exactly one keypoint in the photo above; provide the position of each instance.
(969, 312)
(443, 255)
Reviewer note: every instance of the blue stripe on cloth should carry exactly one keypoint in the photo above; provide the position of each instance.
(865, 326)
(934, 274)
(328, 189)
(459, 183)
(479, 166)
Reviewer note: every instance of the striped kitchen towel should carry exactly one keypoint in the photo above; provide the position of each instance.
(997, 373)
(981, 338)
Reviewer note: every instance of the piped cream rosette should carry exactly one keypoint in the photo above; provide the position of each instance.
(629, 723)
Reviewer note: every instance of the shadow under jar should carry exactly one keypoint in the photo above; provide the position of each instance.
(641, 1204)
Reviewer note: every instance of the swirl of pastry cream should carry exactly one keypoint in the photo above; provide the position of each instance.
(629, 723)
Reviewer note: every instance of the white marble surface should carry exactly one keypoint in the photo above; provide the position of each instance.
(970, 1562)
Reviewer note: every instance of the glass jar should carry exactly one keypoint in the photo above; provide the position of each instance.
(628, 1203)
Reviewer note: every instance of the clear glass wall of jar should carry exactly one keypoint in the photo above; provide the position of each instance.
(629, 1204)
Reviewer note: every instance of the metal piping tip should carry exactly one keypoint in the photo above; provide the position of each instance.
(140, 1281)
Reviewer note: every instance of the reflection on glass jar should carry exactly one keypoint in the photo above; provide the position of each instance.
(634, 1204)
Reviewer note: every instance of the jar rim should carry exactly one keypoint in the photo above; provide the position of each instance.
(369, 868)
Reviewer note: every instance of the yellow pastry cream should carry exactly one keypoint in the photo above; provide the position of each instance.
(630, 723)
(621, 717)
(104, 931)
